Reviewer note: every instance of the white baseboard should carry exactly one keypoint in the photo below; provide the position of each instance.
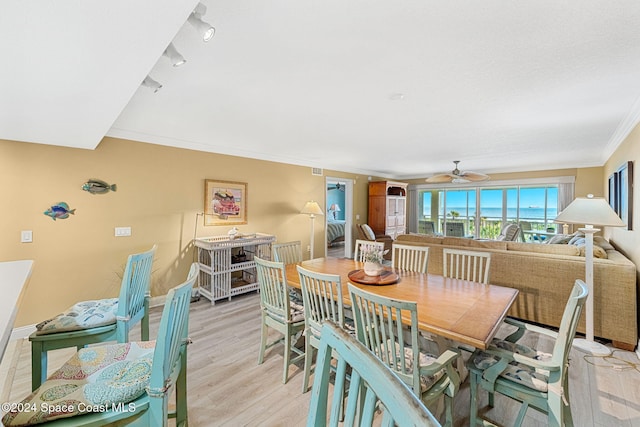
(157, 301)
(22, 332)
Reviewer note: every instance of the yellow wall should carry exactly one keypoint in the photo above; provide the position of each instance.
(160, 191)
(628, 241)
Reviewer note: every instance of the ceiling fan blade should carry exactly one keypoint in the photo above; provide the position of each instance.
(474, 176)
(441, 178)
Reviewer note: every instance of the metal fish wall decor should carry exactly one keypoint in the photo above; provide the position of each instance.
(59, 211)
(97, 186)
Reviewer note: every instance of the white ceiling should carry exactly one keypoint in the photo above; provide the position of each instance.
(390, 88)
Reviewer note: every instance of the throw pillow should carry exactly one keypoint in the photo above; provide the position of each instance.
(559, 239)
(368, 232)
(603, 243)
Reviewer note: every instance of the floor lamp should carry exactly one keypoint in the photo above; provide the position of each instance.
(589, 211)
(312, 209)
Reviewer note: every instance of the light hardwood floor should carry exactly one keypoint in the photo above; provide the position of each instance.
(226, 386)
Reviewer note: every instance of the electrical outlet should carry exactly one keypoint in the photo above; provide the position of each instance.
(26, 236)
(123, 231)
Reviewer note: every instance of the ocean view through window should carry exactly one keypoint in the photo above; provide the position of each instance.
(482, 212)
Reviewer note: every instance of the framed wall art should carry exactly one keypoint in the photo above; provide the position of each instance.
(621, 193)
(225, 202)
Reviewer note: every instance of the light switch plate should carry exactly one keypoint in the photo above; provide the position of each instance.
(123, 231)
(26, 236)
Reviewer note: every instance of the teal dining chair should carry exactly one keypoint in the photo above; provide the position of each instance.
(410, 257)
(534, 378)
(288, 252)
(276, 312)
(120, 384)
(429, 377)
(67, 330)
(322, 298)
(466, 265)
(373, 389)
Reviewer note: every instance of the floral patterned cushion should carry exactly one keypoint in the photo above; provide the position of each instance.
(536, 379)
(83, 315)
(94, 379)
(425, 359)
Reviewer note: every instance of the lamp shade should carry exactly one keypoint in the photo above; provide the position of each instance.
(590, 211)
(312, 208)
(335, 208)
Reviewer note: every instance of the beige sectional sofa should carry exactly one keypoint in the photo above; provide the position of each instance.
(544, 275)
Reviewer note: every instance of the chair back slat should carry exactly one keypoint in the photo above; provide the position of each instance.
(569, 324)
(370, 383)
(135, 289)
(362, 246)
(322, 300)
(466, 265)
(274, 296)
(288, 253)
(410, 258)
(172, 336)
(379, 327)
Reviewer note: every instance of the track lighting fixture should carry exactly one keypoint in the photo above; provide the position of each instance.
(202, 27)
(174, 56)
(151, 84)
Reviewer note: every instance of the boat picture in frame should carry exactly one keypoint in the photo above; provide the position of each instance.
(225, 202)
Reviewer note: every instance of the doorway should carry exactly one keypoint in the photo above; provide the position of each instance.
(339, 224)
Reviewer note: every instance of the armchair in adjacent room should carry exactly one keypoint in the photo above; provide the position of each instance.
(366, 233)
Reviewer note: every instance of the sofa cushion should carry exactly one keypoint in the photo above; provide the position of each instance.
(488, 244)
(546, 249)
(456, 241)
(420, 239)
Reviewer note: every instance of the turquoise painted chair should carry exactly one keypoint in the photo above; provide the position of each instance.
(132, 307)
(322, 297)
(514, 370)
(289, 252)
(466, 265)
(121, 384)
(429, 377)
(277, 312)
(373, 388)
(410, 257)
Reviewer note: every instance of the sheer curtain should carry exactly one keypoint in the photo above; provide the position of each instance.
(565, 196)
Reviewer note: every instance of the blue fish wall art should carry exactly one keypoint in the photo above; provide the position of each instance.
(59, 211)
(98, 186)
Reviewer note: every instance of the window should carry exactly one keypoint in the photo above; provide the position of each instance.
(460, 212)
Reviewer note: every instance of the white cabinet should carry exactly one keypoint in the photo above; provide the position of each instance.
(387, 208)
(227, 266)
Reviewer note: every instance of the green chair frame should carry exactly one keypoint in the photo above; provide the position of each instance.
(370, 382)
(168, 372)
(378, 329)
(133, 306)
(410, 257)
(288, 253)
(555, 402)
(276, 312)
(466, 265)
(322, 297)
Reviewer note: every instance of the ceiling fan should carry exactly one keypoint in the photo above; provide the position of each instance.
(338, 186)
(457, 176)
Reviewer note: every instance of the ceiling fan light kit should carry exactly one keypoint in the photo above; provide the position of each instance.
(456, 176)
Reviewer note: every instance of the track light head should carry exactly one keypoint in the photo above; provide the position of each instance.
(204, 28)
(151, 84)
(174, 56)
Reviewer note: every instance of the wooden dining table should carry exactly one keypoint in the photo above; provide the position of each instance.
(460, 310)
